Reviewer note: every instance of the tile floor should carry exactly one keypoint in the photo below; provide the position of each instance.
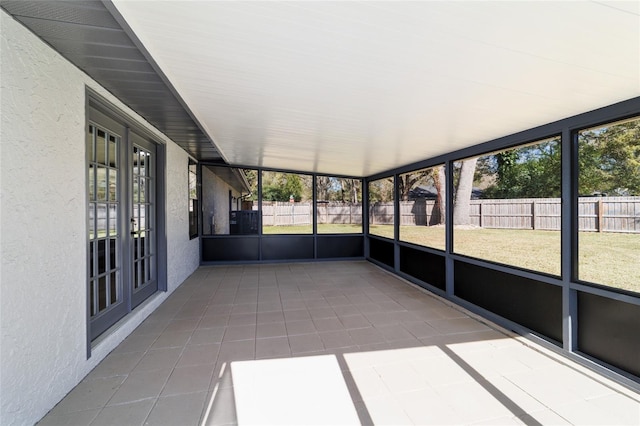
(331, 343)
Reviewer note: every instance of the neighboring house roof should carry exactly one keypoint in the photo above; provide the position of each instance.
(234, 177)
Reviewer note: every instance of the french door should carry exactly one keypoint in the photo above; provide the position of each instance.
(122, 232)
(142, 230)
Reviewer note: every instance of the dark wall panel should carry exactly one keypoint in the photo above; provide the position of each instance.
(287, 247)
(609, 330)
(533, 304)
(382, 251)
(427, 267)
(336, 246)
(230, 249)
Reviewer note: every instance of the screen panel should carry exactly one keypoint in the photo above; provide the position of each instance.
(533, 304)
(609, 330)
(341, 246)
(425, 266)
(230, 249)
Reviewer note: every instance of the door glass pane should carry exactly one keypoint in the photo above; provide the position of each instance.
(101, 184)
(143, 190)
(91, 149)
(135, 190)
(113, 185)
(114, 287)
(136, 247)
(135, 219)
(92, 220)
(92, 182)
(136, 274)
(112, 253)
(92, 246)
(102, 293)
(101, 220)
(147, 242)
(143, 163)
(136, 160)
(101, 147)
(113, 149)
(102, 255)
(92, 296)
(143, 269)
(142, 218)
(113, 219)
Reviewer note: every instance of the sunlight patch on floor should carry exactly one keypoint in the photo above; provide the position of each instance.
(293, 391)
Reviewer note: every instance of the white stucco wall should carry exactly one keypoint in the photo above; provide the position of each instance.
(215, 201)
(43, 231)
(183, 254)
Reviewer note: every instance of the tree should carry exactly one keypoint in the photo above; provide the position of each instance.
(278, 186)
(351, 189)
(323, 186)
(439, 215)
(609, 159)
(338, 189)
(532, 171)
(464, 187)
(381, 190)
(292, 188)
(408, 181)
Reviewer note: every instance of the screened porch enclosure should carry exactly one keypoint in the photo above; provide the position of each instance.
(442, 222)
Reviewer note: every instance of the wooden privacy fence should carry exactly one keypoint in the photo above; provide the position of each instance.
(609, 214)
(283, 213)
(598, 214)
(340, 213)
(287, 213)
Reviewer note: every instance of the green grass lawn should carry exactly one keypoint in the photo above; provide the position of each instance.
(606, 258)
(610, 258)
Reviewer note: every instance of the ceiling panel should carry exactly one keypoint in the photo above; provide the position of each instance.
(357, 88)
(349, 88)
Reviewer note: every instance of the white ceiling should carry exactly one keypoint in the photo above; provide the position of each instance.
(356, 88)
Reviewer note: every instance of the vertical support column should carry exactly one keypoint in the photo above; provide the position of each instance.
(314, 215)
(396, 224)
(259, 172)
(365, 215)
(569, 244)
(449, 278)
(161, 218)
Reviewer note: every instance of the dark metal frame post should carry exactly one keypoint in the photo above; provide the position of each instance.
(449, 262)
(314, 213)
(396, 223)
(365, 215)
(569, 238)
